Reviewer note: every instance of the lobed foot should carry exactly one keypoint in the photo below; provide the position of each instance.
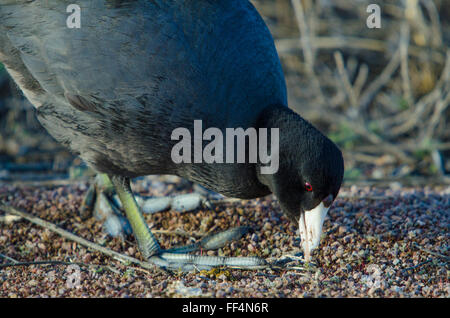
(178, 258)
(181, 203)
(108, 196)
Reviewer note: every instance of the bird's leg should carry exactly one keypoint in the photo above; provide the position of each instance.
(102, 184)
(102, 203)
(148, 245)
(88, 202)
(176, 258)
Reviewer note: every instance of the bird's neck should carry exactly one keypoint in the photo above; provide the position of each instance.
(292, 129)
(281, 117)
(271, 118)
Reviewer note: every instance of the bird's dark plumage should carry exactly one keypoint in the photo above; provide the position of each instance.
(115, 89)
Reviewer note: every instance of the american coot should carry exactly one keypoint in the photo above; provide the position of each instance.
(114, 90)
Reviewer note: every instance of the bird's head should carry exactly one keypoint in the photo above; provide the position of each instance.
(309, 177)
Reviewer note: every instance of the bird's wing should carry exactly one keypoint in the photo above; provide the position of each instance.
(163, 52)
(135, 70)
(10, 56)
(105, 58)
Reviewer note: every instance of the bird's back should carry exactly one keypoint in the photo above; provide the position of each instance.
(116, 87)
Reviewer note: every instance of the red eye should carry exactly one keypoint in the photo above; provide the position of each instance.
(308, 187)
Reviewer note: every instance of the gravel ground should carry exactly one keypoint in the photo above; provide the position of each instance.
(380, 242)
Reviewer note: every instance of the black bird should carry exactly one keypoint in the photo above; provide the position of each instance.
(114, 89)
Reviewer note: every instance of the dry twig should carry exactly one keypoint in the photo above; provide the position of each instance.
(75, 238)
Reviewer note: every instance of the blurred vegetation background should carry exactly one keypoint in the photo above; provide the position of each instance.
(381, 94)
